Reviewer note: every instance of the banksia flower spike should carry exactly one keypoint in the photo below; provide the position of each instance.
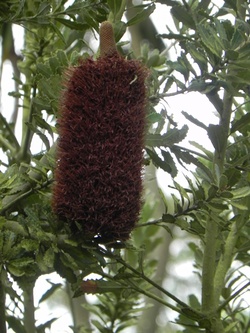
(98, 180)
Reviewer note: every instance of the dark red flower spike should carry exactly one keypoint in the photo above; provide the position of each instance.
(98, 181)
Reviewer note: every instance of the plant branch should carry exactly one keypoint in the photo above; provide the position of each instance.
(225, 261)
(233, 296)
(141, 275)
(155, 297)
(3, 328)
(29, 308)
(11, 134)
(161, 220)
(219, 156)
(228, 253)
(208, 267)
(5, 143)
(27, 134)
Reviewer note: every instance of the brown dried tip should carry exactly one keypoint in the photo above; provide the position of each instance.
(107, 39)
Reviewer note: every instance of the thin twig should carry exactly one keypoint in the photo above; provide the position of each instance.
(183, 305)
(222, 306)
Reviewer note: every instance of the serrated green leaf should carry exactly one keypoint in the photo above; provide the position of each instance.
(115, 6)
(216, 134)
(41, 103)
(210, 38)
(241, 123)
(212, 191)
(180, 67)
(58, 32)
(170, 161)
(238, 39)
(119, 30)
(21, 262)
(43, 69)
(71, 24)
(220, 29)
(208, 153)
(226, 194)
(62, 57)
(194, 120)
(100, 326)
(13, 226)
(15, 324)
(43, 124)
(50, 87)
(49, 257)
(141, 15)
(198, 55)
(241, 192)
(183, 15)
(64, 270)
(238, 205)
(172, 136)
(54, 64)
(182, 223)
(42, 136)
(168, 218)
(157, 161)
(154, 117)
(232, 55)
(50, 291)
(223, 181)
(217, 207)
(29, 244)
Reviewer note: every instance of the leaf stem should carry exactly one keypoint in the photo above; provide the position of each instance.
(27, 133)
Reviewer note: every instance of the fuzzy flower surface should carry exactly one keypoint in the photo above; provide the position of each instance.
(98, 178)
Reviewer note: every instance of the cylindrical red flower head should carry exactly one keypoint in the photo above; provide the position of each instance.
(98, 181)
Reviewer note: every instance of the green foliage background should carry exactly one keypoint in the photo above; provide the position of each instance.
(211, 213)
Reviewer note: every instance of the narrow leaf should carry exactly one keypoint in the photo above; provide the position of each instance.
(142, 15)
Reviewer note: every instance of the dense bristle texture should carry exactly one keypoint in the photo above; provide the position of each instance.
(107, 40)
(98, 180)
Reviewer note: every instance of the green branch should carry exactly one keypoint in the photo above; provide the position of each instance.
(24, 153)
(11, 134)
(213, 275)
(208, 267)
(184, 308)
(5, 143)
(29, 308)
(154, 297)
(3, 328)
(229, 252)
(233, 296)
